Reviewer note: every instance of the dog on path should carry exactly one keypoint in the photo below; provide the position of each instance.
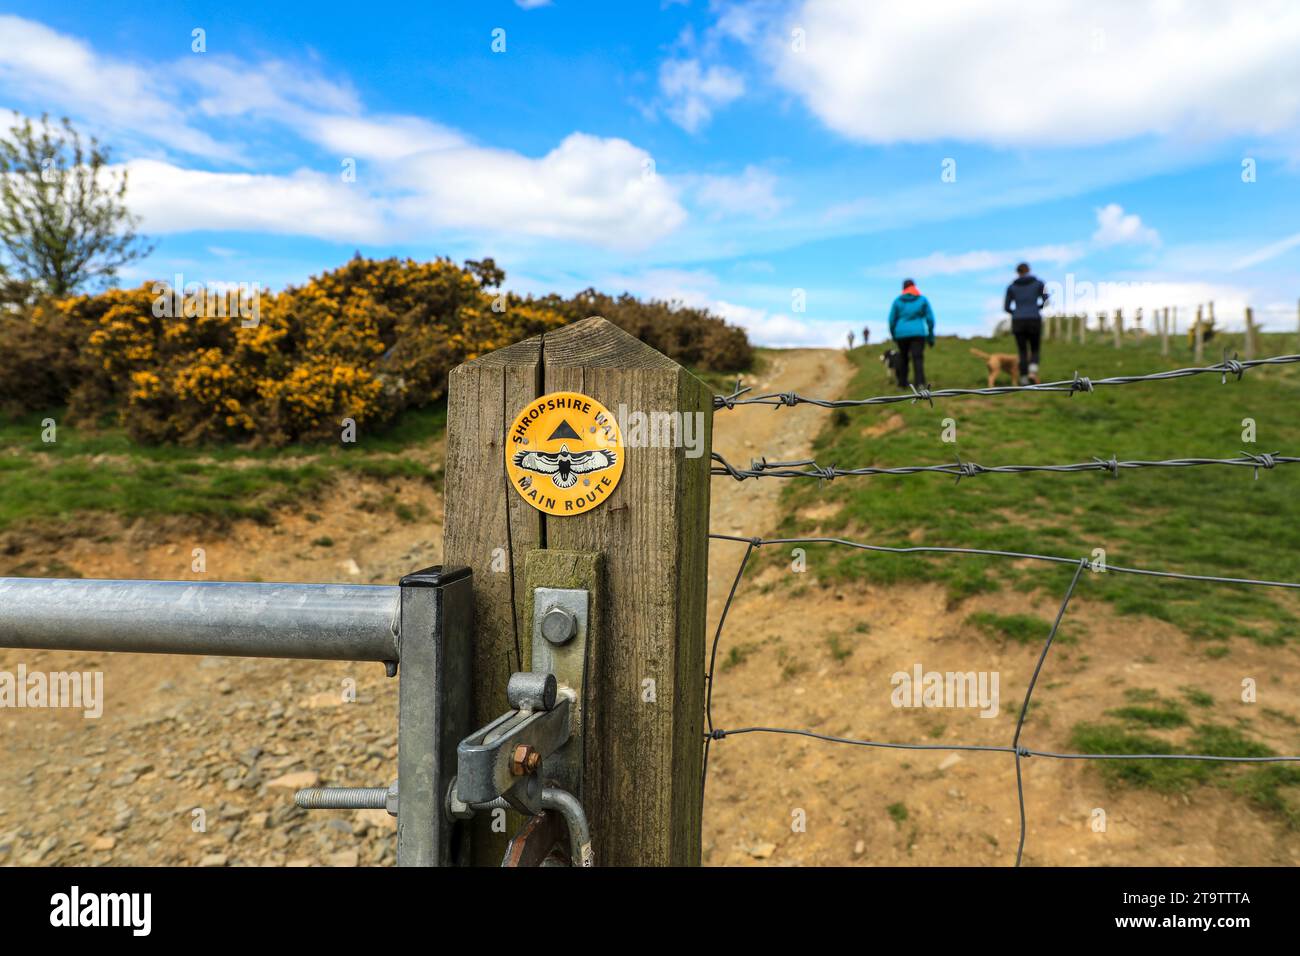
(890, 359)
(998, 363)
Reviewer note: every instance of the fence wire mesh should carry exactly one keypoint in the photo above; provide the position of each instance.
(1021, 752)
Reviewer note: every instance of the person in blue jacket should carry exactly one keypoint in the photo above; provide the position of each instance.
(911, 323)
(1024, 302)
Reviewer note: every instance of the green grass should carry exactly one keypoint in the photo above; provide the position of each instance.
(840, 651)
(897, 812)
(1021, 628)
(1210, 520)
(104, 471)
(1272, 787)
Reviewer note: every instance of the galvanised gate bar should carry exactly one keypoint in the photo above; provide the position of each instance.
(421, 629)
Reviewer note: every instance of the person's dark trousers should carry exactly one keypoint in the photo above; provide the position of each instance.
(1029, 338)
(913, 348)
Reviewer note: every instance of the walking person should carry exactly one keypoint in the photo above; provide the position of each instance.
(850, 340)
(1024, 302)
(911, 325)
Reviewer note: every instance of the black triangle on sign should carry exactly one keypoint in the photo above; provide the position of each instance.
(565, 430)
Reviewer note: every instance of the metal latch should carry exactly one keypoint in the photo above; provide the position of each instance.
(530, 758)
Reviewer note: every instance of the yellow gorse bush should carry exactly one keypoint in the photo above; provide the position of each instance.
(362, 342)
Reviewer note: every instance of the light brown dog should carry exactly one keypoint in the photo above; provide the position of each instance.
(998, 363)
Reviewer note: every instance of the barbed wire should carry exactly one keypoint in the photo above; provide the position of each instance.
(1079, 383)
(762, 468)
(1015, 747)
(1026, 555)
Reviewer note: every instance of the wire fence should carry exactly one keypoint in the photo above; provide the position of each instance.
(762, 468)
(1080, 383)
(1021, 752)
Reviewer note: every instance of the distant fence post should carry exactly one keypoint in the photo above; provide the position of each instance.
(643, 720)
(1117, 328)
(1164, 330)
(1249, 348)
(1198, 333)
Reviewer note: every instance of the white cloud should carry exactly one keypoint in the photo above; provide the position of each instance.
(985, 260)
(38, 64)
(588, 188)
(1061, 73)
(693, 91)
(778, 330)
(698, 289)
(532, 4)
(414, 175)
(1267, 253)
(752, 193)
(1115, 227)
(379, 137)
(171, 199)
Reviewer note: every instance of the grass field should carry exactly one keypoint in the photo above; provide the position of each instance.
(1210, 520)
(103, 471)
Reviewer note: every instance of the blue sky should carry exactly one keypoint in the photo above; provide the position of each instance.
(785, 164)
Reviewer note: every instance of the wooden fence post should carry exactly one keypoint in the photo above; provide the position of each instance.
(644, 713)
(1198, 333)
(1117, 329)
(1164, 330)
(1083, 328)
(1249, 348)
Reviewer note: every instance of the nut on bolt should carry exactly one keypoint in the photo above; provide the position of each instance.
(524, 760)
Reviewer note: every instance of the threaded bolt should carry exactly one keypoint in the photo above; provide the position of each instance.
(342, 798)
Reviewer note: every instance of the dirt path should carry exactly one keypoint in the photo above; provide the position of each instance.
(743, 434)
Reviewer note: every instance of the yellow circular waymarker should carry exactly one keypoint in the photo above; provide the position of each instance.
(564, 453)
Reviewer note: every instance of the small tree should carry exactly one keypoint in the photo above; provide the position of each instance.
(63, 218)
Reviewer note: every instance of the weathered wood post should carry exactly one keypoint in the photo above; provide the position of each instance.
(1164, 331)
(1199, 336)
(1249, 347)
(1083, 328)
(642, 551)
(1117, 329)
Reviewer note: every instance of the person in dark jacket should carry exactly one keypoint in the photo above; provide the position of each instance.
(1024, 301)
(911, 324)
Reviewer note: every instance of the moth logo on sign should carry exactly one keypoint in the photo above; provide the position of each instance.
(565, 453)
